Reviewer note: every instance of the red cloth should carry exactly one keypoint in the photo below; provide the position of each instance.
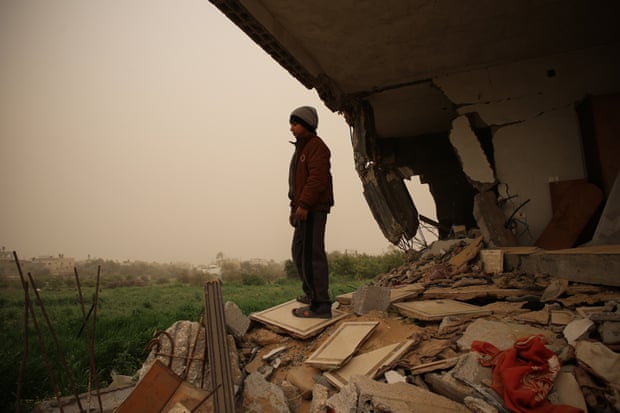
(523, 375)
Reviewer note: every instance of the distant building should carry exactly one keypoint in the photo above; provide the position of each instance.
(211, 269)
(59, 265)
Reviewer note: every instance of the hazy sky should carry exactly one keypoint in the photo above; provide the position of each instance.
(158, 131)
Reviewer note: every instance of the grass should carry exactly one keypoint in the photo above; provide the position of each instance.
(127, 317)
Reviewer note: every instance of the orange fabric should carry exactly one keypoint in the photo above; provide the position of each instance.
(523, 375)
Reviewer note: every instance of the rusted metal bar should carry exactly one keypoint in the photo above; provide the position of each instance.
(156, 341)
(22, 366)
(89, 343)
(61, 354)
(48, 365)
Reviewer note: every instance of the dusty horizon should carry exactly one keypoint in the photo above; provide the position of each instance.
(156, 132)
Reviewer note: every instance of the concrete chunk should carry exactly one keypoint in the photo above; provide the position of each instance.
(258, 393)
(370, 298)
(236, 322)
(364, 394)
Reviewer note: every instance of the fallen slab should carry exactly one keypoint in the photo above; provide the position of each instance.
(367, 364)
(364, 394)
(592, 265)
(341, 345)
(435, 310)
(281, 318)
(502, 334)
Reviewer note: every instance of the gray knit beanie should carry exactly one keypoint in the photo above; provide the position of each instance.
(305, 116)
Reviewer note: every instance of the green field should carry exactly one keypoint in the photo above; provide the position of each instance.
(126, 320)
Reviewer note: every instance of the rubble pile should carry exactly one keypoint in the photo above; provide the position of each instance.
(564, 334)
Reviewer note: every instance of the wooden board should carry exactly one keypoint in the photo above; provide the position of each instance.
(432, 310)
(341, 345)
(281, 317)
(572, 212)
(367, 364)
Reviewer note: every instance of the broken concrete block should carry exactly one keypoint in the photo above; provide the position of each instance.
(566, 390)
(490, 219)
(302, 377)
(345, 401)
(468, 253)
(258, 393)
(370, 298)
(469, 370)
(556, 288)
(319, 399)
(237, 323)
(293, 396)
(441, 247)
(577, 329)
(393, 376)
(502, 334)
(603, 362)
(477, 405)
(492, 261)
(364, 394)
(610, 332)
(448, 386)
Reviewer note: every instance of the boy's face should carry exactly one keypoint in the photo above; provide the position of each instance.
(298, 130)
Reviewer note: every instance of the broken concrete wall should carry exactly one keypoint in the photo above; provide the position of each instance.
(530, 107)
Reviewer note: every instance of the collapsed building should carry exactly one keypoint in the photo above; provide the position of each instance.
(498, 105)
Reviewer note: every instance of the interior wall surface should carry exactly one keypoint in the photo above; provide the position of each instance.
(530, 106)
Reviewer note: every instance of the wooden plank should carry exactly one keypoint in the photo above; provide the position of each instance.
(281, 318)
(368, 364)
(433, 310)
(341, 345)
(468, 253)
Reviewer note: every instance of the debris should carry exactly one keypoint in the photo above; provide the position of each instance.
(341, 345)
(566, 390)
(368, 298)
(302, 377)
(364, 394)
(260, 395)
(438, 309)
(236, 322)
(577, 329)
(500, 334)
(393, 376)
(367, 364)
(467, 254)
(492, 260)
(413, 328)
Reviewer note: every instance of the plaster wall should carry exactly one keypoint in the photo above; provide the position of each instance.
(530, 106)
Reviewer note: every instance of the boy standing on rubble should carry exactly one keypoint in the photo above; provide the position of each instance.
(311, 195)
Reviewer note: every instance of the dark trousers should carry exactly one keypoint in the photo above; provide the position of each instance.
(309, 256)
